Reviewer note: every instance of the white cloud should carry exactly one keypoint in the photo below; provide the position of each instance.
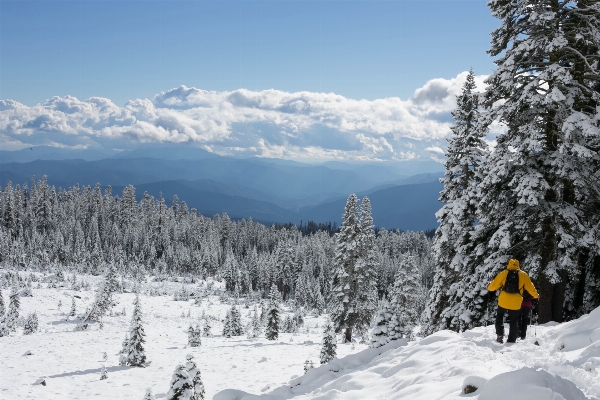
(269, 123)
(435, 150)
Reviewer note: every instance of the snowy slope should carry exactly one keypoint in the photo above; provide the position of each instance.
(565, 365)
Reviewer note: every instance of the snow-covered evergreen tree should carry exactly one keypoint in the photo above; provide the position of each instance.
(14, 304)
(104, 295)
(353, 292)
(182, 385)
(405, 300)
(194, 336)
(31, 324)
(103, 373)
(379, 334)
(207, 328)
(273, 315)
(73, 311)
(366, 276)
(134, 353)
(195, 376)
(237, 329)
(255, 327)
(465, 155)
(124, 351)
(328, 344)
(227, 330)
(308, 365)
(148, 395)
(344, 285)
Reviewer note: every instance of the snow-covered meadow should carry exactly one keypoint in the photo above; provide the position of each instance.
(70, 361)
(565, 364)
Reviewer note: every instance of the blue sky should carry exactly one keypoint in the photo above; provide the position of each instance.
(125, 50)
(130, 50)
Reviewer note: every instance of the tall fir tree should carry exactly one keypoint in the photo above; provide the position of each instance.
(328, 344)
(353, 291)
(366, 265)
(14, 305)
(466, 153)
(273, 315)
(104, 295)
(134, 352)
(405, 300)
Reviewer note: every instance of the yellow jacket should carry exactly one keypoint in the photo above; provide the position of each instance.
(512, 301)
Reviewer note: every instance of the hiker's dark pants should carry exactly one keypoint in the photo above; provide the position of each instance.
(523, 321)
(513, 320)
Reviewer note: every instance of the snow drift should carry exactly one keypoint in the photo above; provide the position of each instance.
(563, 366)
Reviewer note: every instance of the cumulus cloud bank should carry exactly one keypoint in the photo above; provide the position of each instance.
(268, 123)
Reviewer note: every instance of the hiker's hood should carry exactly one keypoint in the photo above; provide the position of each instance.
(512, 264)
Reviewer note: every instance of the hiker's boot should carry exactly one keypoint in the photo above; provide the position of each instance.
(500, 339)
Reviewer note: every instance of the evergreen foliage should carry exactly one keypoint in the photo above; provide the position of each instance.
(308, 365)
(255, 327)
(273, 317)
(73, 311)
(133, 353)
(104, 295)
(31, 324)
(194, 373)
(379, 334)
(207, 329)
(405, 299)
(194, 336)
(233, 323)
(88, 229)
(452, 242)
(353, 294)
(148, 395)
(14, 305)
(182, 385)
(539, 193)
(103, 373)
(329, 344)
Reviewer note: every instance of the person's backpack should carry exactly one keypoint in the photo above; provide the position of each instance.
(512, 282)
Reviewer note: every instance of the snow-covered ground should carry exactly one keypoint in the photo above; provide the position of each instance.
(70, 361)
(565, 365)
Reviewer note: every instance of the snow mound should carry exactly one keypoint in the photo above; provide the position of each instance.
(579, 333)
(528, 384)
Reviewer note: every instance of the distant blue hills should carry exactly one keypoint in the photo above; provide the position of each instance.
(268, 190)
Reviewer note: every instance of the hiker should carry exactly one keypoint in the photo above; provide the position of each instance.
(524, 313)
(512, 282)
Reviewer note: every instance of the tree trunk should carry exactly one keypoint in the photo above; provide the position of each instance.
(558, 297)
(348, 335)
(545, 302)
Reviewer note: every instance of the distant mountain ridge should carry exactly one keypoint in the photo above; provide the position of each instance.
(268, 190)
